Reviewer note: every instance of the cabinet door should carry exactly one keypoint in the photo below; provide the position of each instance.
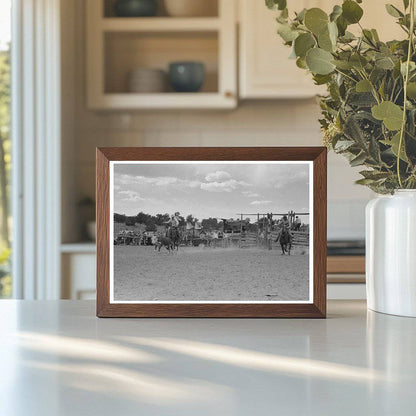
(265, 68)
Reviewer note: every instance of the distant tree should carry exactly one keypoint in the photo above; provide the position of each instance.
(142, 218)
(131, 220)
(120, 218)
(161, 219)
(210, 224)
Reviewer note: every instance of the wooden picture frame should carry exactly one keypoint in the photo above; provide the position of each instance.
(314, 308)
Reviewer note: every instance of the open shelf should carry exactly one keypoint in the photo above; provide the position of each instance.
(127, 51)
(160, 24)
(116, 46)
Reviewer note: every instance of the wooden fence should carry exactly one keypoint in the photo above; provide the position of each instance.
(248, 240)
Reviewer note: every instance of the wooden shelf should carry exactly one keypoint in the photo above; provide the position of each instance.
(346, 264)
(159, 24)
(81, 247)
(129, 101)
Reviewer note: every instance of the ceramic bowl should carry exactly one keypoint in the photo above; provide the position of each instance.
(136, 8)
(147, 80)
(186, 76)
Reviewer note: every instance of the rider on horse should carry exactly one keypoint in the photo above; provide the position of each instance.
(284, 236)
(285, 227)
(173, 228)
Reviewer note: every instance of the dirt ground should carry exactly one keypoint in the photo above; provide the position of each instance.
(197, 274)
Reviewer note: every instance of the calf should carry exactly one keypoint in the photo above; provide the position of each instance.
(164, 242)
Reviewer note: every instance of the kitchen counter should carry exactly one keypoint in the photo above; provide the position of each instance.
(57, 358)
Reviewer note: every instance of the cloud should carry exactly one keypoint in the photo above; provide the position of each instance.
(218, 176)
(131, 196)
(250, 194)
(226, 186)
(220, 185)
(156, 181)
(260, 202)
(299, 176)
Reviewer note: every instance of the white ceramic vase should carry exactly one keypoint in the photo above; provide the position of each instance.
(391, 253)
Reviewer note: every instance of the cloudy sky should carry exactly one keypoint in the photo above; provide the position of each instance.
(211, 190)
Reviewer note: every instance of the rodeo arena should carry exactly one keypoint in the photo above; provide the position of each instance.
(255, 257)
(268, 232)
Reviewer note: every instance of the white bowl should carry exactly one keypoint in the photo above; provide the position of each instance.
(145, 80)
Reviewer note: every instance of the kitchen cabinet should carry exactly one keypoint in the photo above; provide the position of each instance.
(265, 70)
(118, 45)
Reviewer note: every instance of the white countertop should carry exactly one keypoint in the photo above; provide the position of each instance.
(58, 359)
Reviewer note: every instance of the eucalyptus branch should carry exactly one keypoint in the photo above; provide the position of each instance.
(406, 80)
(346, 75)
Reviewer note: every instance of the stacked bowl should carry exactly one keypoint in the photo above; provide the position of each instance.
(147, 80)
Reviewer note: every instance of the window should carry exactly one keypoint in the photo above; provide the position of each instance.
(5, 145)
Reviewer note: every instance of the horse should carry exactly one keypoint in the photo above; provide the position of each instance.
(285, 240)
(164, 242)
(174, 235)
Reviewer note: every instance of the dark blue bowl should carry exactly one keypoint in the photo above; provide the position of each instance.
(186, 76)
(135, 8)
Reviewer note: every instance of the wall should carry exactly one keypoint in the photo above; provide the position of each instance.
(265, 123)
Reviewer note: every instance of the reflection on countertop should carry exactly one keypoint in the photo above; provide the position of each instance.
(63, 360)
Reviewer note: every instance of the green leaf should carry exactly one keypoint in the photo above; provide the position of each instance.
(276, 4)
(343, 65)
(286, 32)
(393, 11)
(358, 160)
(351, 11)
(385, 63)
(375, 35)
(364, 181)
(325, 43)
(343, 145)
(374, 175)
(301, 63)
(374, 150)
(363, 86)
(303, 43)
(411, 90)
(391, 114)
(300, 17)
(394, 145)
(321, 79)
(358, 61)
(342, 25)
(319, 61)
(348, 37)
(412, 67)
(336, 12)
(316, 20)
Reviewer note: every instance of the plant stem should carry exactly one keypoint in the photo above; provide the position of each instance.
(406, 80)
(346, 75)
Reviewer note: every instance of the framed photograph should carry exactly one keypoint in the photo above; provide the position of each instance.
(211, 232)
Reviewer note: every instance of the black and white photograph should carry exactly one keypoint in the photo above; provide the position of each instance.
(211, 232)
